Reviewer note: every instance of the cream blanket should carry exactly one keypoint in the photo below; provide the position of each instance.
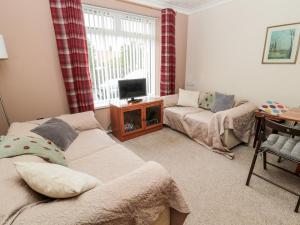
(207, 129)
(133, 199)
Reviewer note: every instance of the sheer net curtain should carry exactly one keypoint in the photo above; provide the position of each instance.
(121, 46)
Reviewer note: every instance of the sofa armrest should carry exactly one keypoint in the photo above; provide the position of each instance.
(240, 110)
(136, 197)
(240, 119)
(170, 100)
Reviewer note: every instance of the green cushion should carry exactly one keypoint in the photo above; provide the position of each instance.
(11, 146)
(206, 100)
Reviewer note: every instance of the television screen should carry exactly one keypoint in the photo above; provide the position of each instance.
(132, 88)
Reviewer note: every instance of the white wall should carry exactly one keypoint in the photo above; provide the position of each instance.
(225, 47)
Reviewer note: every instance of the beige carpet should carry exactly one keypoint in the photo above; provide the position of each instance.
(214, 186)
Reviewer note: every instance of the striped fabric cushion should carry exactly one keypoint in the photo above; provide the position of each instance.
(284, 145)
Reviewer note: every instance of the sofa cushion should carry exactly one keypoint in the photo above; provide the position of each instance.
(87, 143)
(55, 181)
(173, 116)
(182, 111)
(201, 117)
(206, 100)
(188, 98)
(284, 145)
(81, 121)
(58, 131)
(222, 102)
(109, 163)
(22, 129)
(170, 100)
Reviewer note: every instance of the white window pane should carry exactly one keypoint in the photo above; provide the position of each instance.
(120, 46)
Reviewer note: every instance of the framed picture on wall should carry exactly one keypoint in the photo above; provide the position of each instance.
(282, 44)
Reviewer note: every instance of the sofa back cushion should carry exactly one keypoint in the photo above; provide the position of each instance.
(81, 121)
(170, 100)
(188, 98)
(222, 102)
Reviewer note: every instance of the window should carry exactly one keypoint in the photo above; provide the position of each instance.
(121, 46)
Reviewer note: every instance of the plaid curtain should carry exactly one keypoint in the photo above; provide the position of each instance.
(71, 42)
(168, 58)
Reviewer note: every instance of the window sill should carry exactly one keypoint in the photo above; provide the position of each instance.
(101, 106)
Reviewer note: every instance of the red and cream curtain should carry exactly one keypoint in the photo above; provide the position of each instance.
(168, 58)
(71, 42)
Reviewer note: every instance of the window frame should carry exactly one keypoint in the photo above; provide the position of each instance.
(151, 37)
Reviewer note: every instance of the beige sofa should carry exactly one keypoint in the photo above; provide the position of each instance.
(124, 188)
(200, 124)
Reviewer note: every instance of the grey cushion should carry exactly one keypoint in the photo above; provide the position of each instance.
(57, 131)
(284, 145)
(222, 102)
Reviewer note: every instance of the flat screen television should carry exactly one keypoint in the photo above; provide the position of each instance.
(130, 89)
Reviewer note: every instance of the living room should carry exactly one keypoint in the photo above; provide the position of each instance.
(205, 77)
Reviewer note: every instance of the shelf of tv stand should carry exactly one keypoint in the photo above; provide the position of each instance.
(130, 120)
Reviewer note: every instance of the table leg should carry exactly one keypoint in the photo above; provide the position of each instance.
(257, 129)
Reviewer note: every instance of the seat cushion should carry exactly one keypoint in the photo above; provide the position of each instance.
(88, 142)
(284, 145)
(202, 117)
(173, 116)
(109, 163)
(182, 111)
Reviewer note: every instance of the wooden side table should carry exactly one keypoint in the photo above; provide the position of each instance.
(130, 120)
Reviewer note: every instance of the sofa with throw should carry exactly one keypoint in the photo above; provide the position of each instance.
(219, 130)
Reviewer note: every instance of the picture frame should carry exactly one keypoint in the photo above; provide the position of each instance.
(282, 44)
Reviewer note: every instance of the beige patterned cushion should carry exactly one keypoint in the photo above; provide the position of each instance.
(55, 181)
(206, 100)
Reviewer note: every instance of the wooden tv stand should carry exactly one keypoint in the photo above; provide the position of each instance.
(130, 120)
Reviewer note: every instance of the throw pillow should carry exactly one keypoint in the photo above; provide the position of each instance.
(58, 131)
(222, 102)
(206, 100)
(11, 146)
(55, 181)
(188, 98)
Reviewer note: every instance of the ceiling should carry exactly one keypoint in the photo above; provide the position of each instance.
(183, 6)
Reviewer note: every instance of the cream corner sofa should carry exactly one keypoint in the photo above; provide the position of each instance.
(93, 152)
